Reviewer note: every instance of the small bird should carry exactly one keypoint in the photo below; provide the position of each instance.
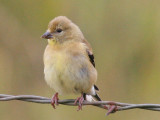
(69, 65)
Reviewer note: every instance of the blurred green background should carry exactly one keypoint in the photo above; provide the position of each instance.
(124, 34)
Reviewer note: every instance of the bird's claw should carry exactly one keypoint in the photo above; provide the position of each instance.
(79, 100)
(111, 109)
(54, 100)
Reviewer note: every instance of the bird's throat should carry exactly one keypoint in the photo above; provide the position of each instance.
(51, 42)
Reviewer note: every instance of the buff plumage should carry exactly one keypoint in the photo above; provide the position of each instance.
(68, 60)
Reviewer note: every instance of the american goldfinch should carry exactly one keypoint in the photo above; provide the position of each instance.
(69, 65)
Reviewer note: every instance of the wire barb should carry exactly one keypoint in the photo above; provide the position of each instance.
(70, 102)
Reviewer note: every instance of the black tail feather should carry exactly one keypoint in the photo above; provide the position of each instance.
(97, 97)
(96, 88)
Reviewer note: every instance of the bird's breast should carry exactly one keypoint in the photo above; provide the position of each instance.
(67, 72)
(54, 66)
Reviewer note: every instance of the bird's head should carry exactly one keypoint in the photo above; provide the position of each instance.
(61, 29)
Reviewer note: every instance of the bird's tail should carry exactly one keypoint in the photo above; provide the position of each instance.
(91, 97)
(97, 97)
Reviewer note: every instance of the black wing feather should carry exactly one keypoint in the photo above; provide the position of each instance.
(91, 58)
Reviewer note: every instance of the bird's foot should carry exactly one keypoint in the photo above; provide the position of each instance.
(79, 100)
(111, 109)
(54, 100)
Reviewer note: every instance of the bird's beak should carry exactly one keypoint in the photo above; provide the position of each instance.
(47, 35)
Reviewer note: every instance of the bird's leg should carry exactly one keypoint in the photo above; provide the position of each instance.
(54, 100)
(80, 101)
(112, 108)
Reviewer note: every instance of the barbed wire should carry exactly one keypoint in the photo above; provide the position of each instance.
(102, 104)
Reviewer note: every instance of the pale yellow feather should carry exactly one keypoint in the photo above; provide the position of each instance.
(62, 70)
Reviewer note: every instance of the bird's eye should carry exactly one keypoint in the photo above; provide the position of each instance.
(59, 30)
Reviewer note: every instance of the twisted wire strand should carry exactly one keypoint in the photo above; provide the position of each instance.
(70, 102)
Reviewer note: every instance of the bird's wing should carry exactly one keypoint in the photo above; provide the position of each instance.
(89, 52)
(91, 57)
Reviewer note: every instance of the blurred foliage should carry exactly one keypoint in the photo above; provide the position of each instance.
(125, 36)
